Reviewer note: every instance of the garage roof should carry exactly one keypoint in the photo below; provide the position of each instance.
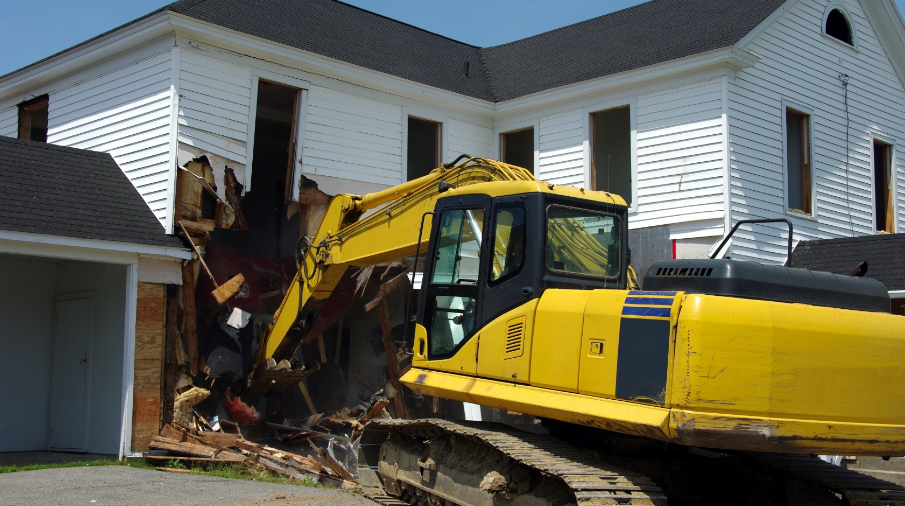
(882, 252)
(56, 190)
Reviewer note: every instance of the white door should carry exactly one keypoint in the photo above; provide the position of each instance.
(68, 422)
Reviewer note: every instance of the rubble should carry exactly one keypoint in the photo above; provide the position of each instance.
(327, 447)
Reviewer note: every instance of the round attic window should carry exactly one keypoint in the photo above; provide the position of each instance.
(837, 26)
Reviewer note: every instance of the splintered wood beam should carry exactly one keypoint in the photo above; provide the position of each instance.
(392, 364)
(191, 317)
(200, 258)
(307, 396)
(227, 290)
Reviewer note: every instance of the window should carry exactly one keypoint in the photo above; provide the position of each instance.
(883, 201)
(453, 291)
(837, 26)
(518, 148)
(611, 163)
(798, 161)
(582, 242)
(33, 119)
(423, 147)
(508, 243)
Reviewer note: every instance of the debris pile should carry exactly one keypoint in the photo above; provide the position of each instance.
(322, 449)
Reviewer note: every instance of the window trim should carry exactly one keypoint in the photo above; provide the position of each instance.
(27, 106)
(878, 137)
(441, 139)
(809, 112)
(848, 18)
(617, 223)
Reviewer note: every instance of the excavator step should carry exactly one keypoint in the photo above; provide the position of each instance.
(581, 479)
(857, 488)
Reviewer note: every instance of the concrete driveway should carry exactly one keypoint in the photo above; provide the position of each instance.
(120, 485)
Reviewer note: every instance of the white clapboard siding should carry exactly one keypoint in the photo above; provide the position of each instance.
(214, 105)
(9, 122)
(798, 64)
(467, 138)
(561, 146)
(352, 137)
(124, 112)
(680, 155)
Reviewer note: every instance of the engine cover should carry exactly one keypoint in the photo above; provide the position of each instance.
(752, 280)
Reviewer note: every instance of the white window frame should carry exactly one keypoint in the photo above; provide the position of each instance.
(301, 116)
(877, 136)
(499, 131)
(851, 25)
(587, 111)
(809, 111)
(419, 113)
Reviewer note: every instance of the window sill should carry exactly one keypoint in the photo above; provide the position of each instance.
(803, 216)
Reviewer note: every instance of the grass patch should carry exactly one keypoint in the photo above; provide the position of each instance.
(140, 464)
(234, 472)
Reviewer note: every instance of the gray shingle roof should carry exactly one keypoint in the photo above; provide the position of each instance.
(55, 190)
(649, 33)
(884, 254)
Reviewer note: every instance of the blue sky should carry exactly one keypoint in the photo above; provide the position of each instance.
(64, 23)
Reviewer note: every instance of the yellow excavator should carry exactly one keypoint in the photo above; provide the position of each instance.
(528, 304)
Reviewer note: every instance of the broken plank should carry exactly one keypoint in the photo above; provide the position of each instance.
(335, 466)
(392, 365)
(201, 227)
(225, 291)
(375, 410)
(171, 470)
(183, 448)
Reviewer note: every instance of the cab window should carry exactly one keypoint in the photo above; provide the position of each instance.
(582, 242)
(452, 294)
(508, 243)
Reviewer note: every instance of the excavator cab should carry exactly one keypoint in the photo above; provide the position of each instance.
(491, 255)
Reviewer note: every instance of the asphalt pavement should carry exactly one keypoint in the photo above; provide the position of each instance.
(121, 485)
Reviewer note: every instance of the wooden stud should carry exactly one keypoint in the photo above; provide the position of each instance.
(392, 365)
(339, 340)
(321, 348)
(308, 400)
(191, 318)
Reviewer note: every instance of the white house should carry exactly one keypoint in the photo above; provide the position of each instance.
(699, 112)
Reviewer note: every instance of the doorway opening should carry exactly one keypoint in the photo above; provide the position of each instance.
(270, 233)
(883, 199)
(611, 161)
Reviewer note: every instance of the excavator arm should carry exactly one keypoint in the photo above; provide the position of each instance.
(350, 236)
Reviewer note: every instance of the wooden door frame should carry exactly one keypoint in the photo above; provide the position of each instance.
(890, 145)
(89, 294)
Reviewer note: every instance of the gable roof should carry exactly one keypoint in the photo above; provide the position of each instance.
(55, 190)
(883, 254)
(653, 32)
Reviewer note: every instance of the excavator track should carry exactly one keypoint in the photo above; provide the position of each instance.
(857, 488)
(534, 464)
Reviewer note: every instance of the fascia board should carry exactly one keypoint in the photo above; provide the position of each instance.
(306, 61)
(28, 243)
(128, 37)
(732, 57)
(886, 20)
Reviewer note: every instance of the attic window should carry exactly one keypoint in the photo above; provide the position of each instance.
(837, 26)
